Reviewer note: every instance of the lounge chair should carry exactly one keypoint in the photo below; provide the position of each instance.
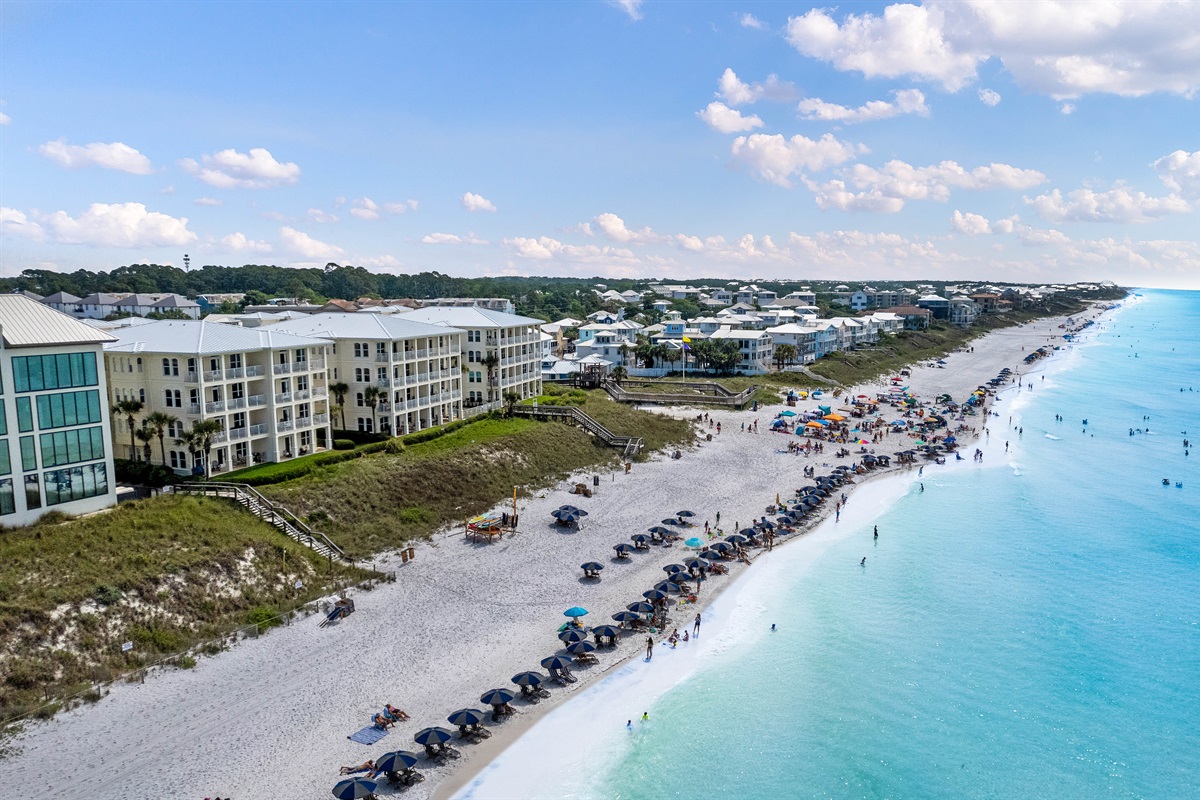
(406, 778)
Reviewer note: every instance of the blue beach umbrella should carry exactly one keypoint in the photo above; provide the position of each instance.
(659, 530)
(711, 554)
(625, 616)
(694, 542)
(685, 514)
(623, 548)
(673, 568)
(431, 736)
(528, 679)
(723, 547)
(563, 515)
(737, 538)
(591, 566)
(579, 511)
(465, 716)
(496, 697)
(639, 538)
(697, 563)
(396, 761)
(667, 586)
(573, 635)
(640, 607)
(670, 521)
(576, 648)
(605, 630)
(654, 594)
(576, 611)
(742, 532)
(556, 662)
(354, 788)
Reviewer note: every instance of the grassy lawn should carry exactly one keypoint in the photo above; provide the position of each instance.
(380, 501)
(164, 573)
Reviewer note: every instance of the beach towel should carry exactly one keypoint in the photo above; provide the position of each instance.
(368, 735)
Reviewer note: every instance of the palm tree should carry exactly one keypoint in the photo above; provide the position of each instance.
(189, 440)
(619, 374)
(510, 401)
(158, 422)
(339, 391)
(129, 409)
(491, 361)
(200, 438)
(371, 396)
(145, 436)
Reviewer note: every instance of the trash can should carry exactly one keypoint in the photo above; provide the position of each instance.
(595, 480)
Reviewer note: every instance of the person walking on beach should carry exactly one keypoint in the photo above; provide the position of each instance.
(876, 531)
(649, 647)
(922, 487)
(1006, 446)
(696, 626)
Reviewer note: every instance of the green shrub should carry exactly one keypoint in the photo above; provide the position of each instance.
(394, 447)
(185, 662)
(376, 447)
(160, 640)
(107, 595)
(142, 473)
(343, 444)
(263, 617)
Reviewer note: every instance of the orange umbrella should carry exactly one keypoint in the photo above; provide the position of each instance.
(834, 417)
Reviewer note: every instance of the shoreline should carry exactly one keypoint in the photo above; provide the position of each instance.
(461, 782)
(458, 614)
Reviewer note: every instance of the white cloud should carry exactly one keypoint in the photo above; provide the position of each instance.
(475, 202)
(301, 244)
(4, 118)
(127, 225)
(230, 169)
(631, 7)
(321, 216)
(1180, 171)
(1116, 205)
(400, 207)
(907, 101)
(207, 201)
(451, 238)
(989, 97)
(545, 248)
(971, 224)
(751, 21)
(736, 92)
(109, 155)
(693, 243)
(614, 228)
(365, 208)
(775, 159)
(885, 189)
(238, 242)
(724, 119)
(1059, 48)
(1066, 109)
(16, 223)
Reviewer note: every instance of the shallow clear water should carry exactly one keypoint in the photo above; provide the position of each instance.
(1028, 629)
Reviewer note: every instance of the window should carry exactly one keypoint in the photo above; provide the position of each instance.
(178, 460)
(358, 399)
(175, 429)
(28, 454)
(362, 350)
(237, 391)
(33, 494)
(74, 483)
(142, 396)
(71, 447)
(167, 367)
(240, 451)
(239, 420)
(63, 371)
(24, 414)
(301, 383)
(191, 365)
(194, 397)
(305, 438)
(381, 349)
(472, 356)
(235, 361)
(302, 356)
(382, 375)
(3, 421)
(5, 460)
(68, 408)
(214, 364)
(362, 374)
(172, 398)
(7, 501)
(365, 425)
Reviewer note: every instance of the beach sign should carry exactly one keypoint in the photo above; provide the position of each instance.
(299, 584)
(126, 647)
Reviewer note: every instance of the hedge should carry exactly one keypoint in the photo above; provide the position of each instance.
(142, 473)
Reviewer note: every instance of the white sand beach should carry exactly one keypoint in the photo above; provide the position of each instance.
(270, 717)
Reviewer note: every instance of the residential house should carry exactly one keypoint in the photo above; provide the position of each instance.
(65, 302)
(98, 305)
(963, 311)
(755, 348)
(915, 318)
(418, 367)
(268, 388)
(937, 305)
(801, 337)
(178, 303)
(53, 414)
(513, 340)
(212, 300)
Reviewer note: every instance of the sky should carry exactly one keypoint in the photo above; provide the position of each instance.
(1009, 141)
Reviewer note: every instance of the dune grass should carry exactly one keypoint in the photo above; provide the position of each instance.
(164, 573)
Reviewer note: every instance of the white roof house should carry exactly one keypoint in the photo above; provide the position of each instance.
(368, 327)
(467, 317)
(199, 337)
(28, 323)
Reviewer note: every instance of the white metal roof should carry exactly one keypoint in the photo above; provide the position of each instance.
(386, 327)
(198, 337)
(465, 317)
(28, 323)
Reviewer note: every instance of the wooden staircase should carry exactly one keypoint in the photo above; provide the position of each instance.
(630, 445)
(284, 520)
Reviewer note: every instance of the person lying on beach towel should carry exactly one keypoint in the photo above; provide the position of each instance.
(367, 766)
(395, 713)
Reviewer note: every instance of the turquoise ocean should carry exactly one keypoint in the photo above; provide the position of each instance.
(1028, 629)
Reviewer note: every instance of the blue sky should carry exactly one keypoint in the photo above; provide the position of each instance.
(1013, 141)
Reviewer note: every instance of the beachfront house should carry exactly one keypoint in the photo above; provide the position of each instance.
(801, 337)
(937, 305)
(963, 311)
(267, 388)
(511, 339)
(416, 366)
(755, 349)
(56, 448)
(915, 319)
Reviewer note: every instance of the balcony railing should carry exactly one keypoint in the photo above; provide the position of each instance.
(283, 397)
(422, 354)
(237, 433)
(258, 430)
(236, 403)
(236, 372)
(303, 422)
(191, 377)
(194, 408)
(213, 375)
(301, 394)
(281, 369)
(257, 400)
(383, 357)
(320, 391)
(320, 419)
(214, 406)
(285, 425)
(254, 371)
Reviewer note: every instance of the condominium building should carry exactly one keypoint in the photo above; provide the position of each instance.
(268, 388)
(513, 341)
(55, 443)
(417, 366)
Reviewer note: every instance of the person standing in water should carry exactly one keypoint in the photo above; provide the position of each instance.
(863, 563)
(649, 647)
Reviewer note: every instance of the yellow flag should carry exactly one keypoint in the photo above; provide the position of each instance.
(686, 339)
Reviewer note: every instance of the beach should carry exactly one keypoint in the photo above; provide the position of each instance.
(270, 717)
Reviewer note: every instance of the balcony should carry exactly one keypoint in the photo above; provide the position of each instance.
(237, 372)
(235, 434)
(258, 430)
(255, 371)
(191, 377)
(213, 375)
(384, 383)
(301, 394)
(383, 358)
(285, 425)
(320, 419)
(214, 407)
(303, 422)
(194, 408)
(316, 363)
(257, 401)
(320, 391)
(422, 353)
(283, 397)
(282, 369)
(236, 403)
